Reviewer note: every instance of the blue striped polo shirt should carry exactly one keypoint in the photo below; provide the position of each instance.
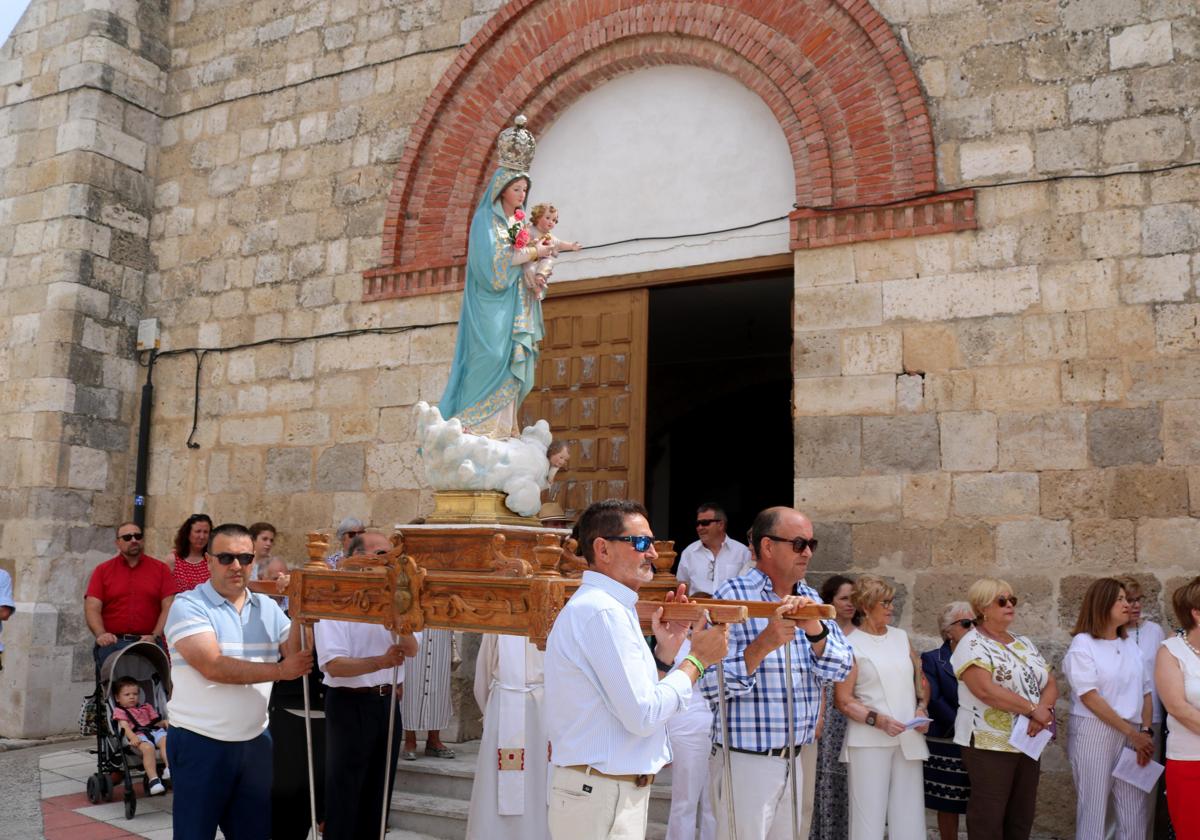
(219, 710)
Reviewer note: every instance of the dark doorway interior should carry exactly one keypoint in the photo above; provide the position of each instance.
(718, 402)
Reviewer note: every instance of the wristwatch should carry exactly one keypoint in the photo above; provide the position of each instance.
(872, 716)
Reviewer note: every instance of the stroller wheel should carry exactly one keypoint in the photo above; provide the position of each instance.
(130, 806)
(105, 785)
(93, 788)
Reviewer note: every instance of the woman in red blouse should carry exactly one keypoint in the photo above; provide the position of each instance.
(188, 565)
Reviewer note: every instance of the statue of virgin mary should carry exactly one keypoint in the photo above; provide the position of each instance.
(500, 328)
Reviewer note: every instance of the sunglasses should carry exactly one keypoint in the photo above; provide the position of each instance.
(798, 544)
(641, 544)
(225, 558)
(964, 623)
(1004, 601)
(131, 537)
(353, 534)
(706, 522)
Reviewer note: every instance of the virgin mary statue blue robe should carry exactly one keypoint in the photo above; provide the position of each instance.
(500, 328)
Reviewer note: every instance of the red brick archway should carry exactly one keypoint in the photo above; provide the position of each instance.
(832, 72)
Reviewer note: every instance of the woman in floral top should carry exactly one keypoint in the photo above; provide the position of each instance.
(1001, 676)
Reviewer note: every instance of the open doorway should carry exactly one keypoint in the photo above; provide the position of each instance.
(718, 402)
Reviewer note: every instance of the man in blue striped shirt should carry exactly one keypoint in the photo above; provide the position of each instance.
(755, 676)
(225, 646)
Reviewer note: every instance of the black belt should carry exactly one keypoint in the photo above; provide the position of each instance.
(376, 690)
(777, 752)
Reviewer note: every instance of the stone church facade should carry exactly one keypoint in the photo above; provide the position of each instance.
(994, 245)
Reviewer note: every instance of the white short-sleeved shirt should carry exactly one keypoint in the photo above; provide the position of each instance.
(704, 572)
(1111, 667)
(219, 710)
(1182, 743)
(354, 640)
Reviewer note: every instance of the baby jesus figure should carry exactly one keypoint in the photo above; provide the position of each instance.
(543, 218)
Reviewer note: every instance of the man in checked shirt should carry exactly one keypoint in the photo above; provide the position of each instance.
(755, 681)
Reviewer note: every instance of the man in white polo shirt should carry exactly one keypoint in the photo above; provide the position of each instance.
(225, 645)
(715, 557)
(358, 660)
(606, 708)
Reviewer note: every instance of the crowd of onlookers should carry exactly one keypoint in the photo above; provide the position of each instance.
(955, 729)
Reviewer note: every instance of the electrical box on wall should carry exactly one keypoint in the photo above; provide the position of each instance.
(147, 334)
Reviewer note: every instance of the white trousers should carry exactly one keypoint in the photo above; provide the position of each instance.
(808, 786)
(762, 795)
(585, 806)
(690, 734)
(1093, 749)
(884, 788)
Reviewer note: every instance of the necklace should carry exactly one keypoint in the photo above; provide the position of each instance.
(1191, 647)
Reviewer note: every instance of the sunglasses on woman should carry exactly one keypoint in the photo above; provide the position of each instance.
(964, 623)
(1004, 600)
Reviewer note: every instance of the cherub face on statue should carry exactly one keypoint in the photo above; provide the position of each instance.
(544, 219)
(513, 196)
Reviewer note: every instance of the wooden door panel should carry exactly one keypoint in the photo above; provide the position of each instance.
(591, 390)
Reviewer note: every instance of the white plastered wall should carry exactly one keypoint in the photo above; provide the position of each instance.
(667, 151)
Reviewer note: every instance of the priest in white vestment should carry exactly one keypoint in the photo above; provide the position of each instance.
(509, 797)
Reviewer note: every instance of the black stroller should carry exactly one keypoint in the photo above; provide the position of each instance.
(147, 663)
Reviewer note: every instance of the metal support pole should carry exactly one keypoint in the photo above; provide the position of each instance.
(727, 783)
(387, 756)
(312, 787)
(791, 736)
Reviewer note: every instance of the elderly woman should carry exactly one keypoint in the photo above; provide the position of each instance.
(1002, 677)
(946, 783)
(1177, 674)
(831, 808)
(1110, 710)
(882, 698)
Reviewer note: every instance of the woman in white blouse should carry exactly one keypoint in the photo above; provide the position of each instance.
(882, 698)
(1177, 673)
(1001, 677)
(1111, 710)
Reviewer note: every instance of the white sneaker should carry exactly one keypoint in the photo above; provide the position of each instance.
(156, 788)
(166, 773)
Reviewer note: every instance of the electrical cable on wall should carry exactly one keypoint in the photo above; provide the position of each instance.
(199, 353)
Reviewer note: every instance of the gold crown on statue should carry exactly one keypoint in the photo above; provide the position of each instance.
(516, 146)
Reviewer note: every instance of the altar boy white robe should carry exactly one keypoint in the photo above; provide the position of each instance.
(509, 797)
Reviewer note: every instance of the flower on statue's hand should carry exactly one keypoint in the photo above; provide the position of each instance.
(519, 214)
(522, 238)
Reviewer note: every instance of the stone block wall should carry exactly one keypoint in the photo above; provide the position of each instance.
(81, 93)
(1019, 400)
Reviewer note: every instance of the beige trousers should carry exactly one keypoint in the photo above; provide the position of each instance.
(588, 807)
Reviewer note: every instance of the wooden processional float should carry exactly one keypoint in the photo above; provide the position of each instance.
(481, 577)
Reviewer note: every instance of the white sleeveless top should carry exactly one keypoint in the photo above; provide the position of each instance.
(885, 684)
(1182, 743)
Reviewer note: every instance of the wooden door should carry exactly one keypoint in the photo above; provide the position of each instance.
(591, 388)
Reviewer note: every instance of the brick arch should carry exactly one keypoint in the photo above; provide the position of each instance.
(832, 72)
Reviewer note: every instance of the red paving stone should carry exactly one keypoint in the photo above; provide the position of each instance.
(61, 818)
(70, 801)
(96, 831)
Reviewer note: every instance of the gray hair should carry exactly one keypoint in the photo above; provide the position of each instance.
(350, 523)
(949, 611)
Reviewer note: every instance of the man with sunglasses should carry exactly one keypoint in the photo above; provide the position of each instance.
(128, 596)
(225, 644)
(756, 679)
(360, 662)
(606, 708)
(714, 558)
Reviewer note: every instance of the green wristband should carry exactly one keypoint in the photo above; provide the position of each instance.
(692, 658)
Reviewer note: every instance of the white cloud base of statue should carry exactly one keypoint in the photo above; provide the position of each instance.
(458, 460)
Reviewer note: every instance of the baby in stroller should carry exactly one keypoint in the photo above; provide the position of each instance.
(144, 727)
